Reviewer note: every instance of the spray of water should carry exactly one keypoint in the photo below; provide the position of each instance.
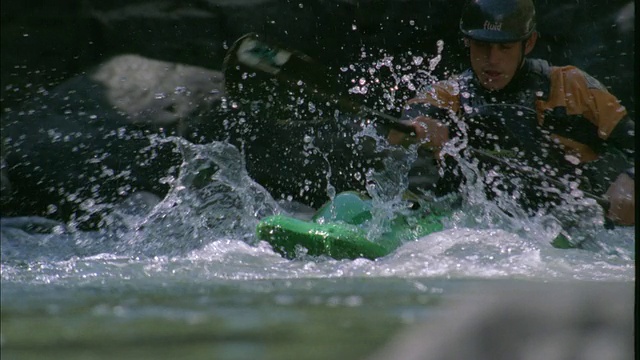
(207, 219)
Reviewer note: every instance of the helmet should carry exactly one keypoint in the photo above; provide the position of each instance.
(498, 21)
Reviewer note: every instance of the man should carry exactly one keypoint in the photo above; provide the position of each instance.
(557, 121)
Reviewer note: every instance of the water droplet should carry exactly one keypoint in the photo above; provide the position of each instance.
(572, 159)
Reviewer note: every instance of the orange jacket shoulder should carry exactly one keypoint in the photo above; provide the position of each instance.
(581, 94)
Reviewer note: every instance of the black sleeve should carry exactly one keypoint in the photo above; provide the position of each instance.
(424, 109)
(623, 137)
(616, 157)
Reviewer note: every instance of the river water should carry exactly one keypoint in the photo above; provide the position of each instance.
(184, 277)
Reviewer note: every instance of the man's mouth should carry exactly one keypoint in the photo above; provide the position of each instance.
(492, 74)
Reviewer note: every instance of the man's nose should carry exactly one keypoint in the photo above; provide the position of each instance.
(493, 54)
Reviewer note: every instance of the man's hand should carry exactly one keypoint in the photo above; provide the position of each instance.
(429, 131)
(621, 195)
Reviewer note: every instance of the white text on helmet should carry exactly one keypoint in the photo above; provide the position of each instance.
(492, 26)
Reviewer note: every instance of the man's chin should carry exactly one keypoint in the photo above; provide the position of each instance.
(493, 85)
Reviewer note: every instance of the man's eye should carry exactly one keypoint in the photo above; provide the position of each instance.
(480, 44)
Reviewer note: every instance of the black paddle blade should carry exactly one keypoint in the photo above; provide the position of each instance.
(261, 69)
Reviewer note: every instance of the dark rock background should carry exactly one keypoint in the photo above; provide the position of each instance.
(52, 51)
(45, 43)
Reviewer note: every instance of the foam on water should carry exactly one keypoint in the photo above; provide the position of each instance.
(455, 253)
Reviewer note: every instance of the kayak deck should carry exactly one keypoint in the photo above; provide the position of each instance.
(336, 230)
(288, 236)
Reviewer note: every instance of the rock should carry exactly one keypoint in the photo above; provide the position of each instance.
(590, 321)
(156, 93)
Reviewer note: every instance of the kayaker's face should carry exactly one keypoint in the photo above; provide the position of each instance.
(495, 64)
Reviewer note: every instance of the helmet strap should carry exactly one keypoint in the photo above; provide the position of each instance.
(522, 57)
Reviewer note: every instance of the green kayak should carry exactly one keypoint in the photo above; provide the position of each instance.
(337, 230)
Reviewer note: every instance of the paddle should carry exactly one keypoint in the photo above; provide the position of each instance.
(294, 68)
